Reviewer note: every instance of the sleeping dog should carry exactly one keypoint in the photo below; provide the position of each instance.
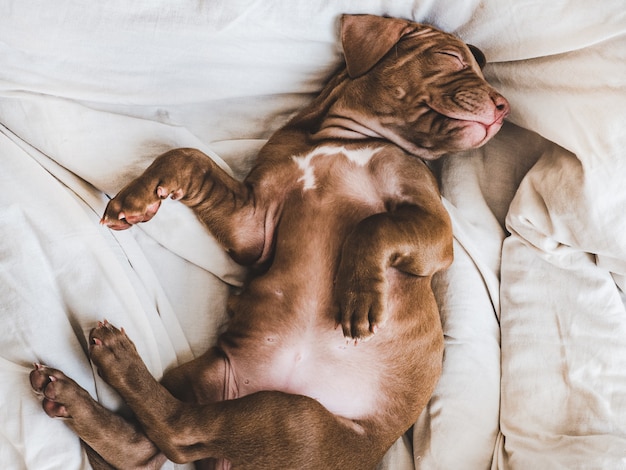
(334, 346)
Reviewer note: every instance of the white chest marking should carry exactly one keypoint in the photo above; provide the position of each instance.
(359, 156)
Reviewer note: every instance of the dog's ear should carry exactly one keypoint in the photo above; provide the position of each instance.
(367, 38)
(478, 55)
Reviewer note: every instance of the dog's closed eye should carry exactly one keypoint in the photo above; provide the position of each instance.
(456, 56)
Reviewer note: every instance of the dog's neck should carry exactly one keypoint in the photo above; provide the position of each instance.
(343, 127)
(324, 118)
(327, 118)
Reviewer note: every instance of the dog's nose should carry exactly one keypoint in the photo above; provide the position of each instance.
(502, 107)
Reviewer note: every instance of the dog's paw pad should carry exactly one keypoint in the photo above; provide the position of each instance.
(55, 389)
(54, 409)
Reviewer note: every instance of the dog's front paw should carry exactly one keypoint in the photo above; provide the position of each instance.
(114, 354)
(138, 202)
(61, 396)
(361, 305)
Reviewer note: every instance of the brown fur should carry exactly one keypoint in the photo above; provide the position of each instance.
(335, 344)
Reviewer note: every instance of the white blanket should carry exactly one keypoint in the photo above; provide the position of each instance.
(532, 308)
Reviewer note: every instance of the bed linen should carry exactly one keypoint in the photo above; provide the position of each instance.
(533, 307)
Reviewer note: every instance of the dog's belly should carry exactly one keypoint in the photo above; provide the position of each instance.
(320, 364)
(283, 336)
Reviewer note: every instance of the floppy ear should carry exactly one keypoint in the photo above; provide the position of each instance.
(367, 38)
(478, 55)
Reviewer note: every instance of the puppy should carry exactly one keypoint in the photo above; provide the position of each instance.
(334, 346)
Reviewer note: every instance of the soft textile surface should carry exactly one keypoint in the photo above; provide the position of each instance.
(535, 363)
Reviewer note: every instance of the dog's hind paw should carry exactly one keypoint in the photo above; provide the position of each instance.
(115, 355)
(59, 393)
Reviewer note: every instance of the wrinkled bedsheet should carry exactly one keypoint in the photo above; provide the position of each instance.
(532, 308)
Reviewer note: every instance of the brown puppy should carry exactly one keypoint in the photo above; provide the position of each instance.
(335, 344)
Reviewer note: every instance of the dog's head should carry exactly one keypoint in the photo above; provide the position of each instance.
(418, 87)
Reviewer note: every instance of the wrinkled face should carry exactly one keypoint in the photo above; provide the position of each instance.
(428, 95)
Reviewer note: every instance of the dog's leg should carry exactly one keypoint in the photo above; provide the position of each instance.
(205, 379)
(262, 430)
(226, 206)
(121, 443)
(409, 239)
(110, 440)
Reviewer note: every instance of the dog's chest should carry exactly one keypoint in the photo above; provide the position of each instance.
(335, 171)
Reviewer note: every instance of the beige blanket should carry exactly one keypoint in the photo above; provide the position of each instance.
(533, 307)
